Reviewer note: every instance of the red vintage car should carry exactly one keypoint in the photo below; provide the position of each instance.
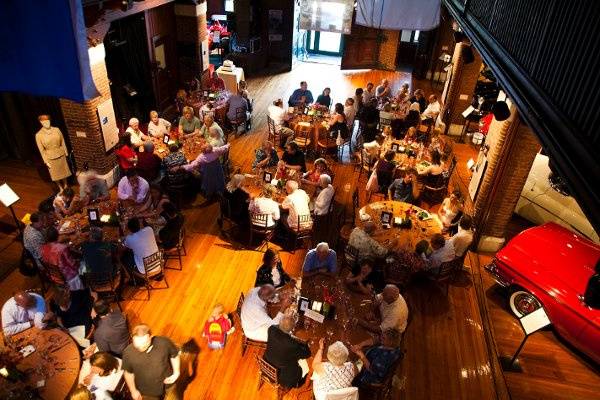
(549, 266)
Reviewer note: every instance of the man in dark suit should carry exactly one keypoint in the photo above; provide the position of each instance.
(285, 352)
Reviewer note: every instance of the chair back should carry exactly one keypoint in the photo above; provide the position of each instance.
(224, 206)
(447, 269)
(349, 393)
(101, 281)
(238, 308)
(355, 204)
(304, 223)
(302, 136)
(267, 371)
(352, 255)
(259, 221)
(271, 125)
(383, 122)
(153, 263)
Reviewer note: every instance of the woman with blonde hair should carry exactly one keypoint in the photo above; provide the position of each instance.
(335, 373)
(158, 127)
(81, 393)
(264, 204)
(189, 124)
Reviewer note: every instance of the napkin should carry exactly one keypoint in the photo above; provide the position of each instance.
(303, 123)
(364, 217)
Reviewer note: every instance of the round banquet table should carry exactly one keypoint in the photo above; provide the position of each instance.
(191, 146)
(55, 363)
(318, 126)
(254, 183)
(402, 150)
(407, 237)
(196, 100)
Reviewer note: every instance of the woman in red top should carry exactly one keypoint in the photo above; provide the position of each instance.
(126, 156)
(320, 167)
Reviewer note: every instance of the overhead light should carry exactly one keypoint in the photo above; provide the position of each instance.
(501, 111)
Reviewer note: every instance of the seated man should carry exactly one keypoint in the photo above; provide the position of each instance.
(433, 108)
(99, 256)
(464, 237)
(443, 251)
(266, 156)
(93, 188)
(33, 236)
(141, 242)
(401, 189)
(148, 164)
(212, 132)
(111, 333)
(133, 188)
(363, 279)
(279, 116)
(383, 91)
(392, 310)
(287, 353)
(264, 204)
(254, 316)
(237, 108)
(23, 311)
(293, 157)
(296, 202)
(300, 94)
(360, 238)
(325, 197)
(137, 136)
(379, 358)
(321, 259)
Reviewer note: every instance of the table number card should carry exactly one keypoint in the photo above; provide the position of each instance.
(166, 139)
(268, 177)
(315, 316)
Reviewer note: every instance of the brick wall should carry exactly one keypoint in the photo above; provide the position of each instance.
(388, 50)
(83, 118)
(512, 149)
(462, 82)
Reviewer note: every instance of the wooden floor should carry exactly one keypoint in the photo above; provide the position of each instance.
(449, 355)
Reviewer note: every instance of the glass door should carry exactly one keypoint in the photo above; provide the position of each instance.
(329, 43)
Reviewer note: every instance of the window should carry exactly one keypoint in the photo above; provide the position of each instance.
(229, 6)
(416, 37)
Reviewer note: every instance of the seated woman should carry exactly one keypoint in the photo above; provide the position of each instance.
(271, 271)
(264, 204)
(66, 203)
(189, 124)
(363, 279)
(101, 375)
(265, 156)
(335, 373)
(72, 308)
(378, 358)
(337, 122)
(238, 199)
(435, 168)
(158, 127)
(383, 172)
(126, 155)
(320, 167)
(324, 99)
(56, 254)
(411, 135)
(450, 207)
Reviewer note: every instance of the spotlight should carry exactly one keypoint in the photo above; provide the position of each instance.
(468, 56)
(500, 111)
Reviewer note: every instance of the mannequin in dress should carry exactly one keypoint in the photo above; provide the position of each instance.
(53, 150)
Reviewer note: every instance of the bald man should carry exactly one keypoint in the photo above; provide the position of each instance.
(23, 311)
(393, 312)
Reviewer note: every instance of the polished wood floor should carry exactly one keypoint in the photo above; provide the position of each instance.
(450, 353)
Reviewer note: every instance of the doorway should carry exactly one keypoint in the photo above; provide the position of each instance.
(407, 49)
(327, 43)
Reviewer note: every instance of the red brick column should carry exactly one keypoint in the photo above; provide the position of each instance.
(460, 89)
(83, 126)
(512, 149)
(192, 40)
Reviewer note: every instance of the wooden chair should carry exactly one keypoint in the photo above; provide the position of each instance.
(397, 273)
(435, 189)
(176, 252)
(53, 276)
(225, 214)
(383, 122)
(384, 180)
(366, 164)
(245, 341)
(269, 374)
(259, 224)
(239, 120)
(447, 272)
(327, 143)
(351, 256)
(303, 230)
(274, 136)
(302, 137)
(344, 227)
(153, 268)
(106, 285)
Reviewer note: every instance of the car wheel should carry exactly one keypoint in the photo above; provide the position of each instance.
(522, 303)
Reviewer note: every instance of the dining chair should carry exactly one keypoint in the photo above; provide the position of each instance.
(259, 224)
(245, 343)
(239, 120)
(383, 122)
(274, 136)
(269, 374)
(153, 269)
(176, 252)
(351, 256)
(105, 284)
(303, 230)
(383, 390)
(302, 137)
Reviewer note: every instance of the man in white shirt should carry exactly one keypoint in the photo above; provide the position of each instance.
(264, 204)
(296, 202)
(325, 197)
(464, 237)
(254, 315)
(433, 108)
(443, 251)
(133, 187)
(158, 127)
(279, 116)
(392, 310)
(373, 148)
(137, 137)
(142, 242)
(369, 93)
(23, 311)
